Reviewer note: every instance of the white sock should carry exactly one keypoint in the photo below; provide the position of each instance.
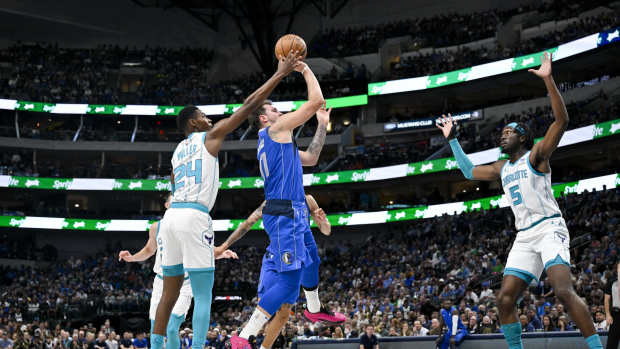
(257, 321)
(312, 300)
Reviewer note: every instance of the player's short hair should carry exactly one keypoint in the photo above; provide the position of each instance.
(185, 115)
(254, 117)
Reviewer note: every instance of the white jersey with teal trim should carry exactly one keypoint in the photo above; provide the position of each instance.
(158, 253)
(529, 193)
(196, 172)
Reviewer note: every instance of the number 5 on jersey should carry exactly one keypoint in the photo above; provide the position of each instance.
(185, 170)
(516, 196)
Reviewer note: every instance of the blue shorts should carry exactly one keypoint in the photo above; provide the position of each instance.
(287, 223)
(268, 274)
(459, 337)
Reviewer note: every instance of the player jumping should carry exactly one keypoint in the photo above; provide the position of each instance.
(542, 241)
(285, 215)
(187, 229)
(268, 272)
(181, 306)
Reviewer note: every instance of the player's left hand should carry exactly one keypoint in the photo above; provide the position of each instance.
(228, 254)
(321, 221)
(322, 115)
(126, 256)
(544, 71)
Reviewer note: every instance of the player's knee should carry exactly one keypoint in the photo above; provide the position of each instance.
(506, 300)
(283, 313)
(563, 293)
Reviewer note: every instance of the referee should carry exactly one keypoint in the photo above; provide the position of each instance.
(612, 309)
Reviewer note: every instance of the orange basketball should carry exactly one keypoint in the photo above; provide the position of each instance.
(290, 42)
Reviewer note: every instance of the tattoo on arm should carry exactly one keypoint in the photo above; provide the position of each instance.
(245, 226)
(316, 145)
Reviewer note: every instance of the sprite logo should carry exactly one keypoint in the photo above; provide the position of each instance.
(135, 185)
(463, 76)
(527, 62)
(62, 184)
(420, 213)
(315, 179)
(48, 108)
(343, 220)
(410, 169)
(426, 167)
(15, 222)
(29, 106)
(13, 182)
(614, 127)
(117, 185)
(400, 215)
(235, 183)
(99, 109)
(570, 189)
(32, 183)
(494, 202)
(162, 185)
(476, 205)
(169, 111)
(118, 110)
(259, 183)
(80, 224)
(450, 164)
(332, 178)
(598, 131)
(441, 80)
(101, 225)
(355, 177)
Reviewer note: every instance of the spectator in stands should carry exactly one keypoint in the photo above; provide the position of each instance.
(418, 329)
(368, 340)
(140, 341)
(126, 342)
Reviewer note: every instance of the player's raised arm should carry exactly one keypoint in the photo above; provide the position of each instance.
(255, 100)
(291, 120)
(481, 172)
(542, 150)
(146, 252)
(319, 216)
(311, 156)
(241, 230)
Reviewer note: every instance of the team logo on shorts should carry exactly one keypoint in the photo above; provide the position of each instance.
(207, 237)
(560, 236)
(286, 258)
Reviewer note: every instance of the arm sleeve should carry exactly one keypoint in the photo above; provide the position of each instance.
(455, 323)
(462, 160)
(608, 287)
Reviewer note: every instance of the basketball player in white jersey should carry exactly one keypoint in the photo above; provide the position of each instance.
(184, 301)
(187, 229)
(542, 241)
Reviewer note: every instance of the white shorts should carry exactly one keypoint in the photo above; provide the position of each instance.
(187, 241)
(183, 302)
(538, 248)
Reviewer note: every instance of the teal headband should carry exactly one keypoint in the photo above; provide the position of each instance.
(516, 127)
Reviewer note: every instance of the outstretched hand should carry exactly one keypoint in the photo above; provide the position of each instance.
(447, 125)
(322, 115)
(220, 253)
(544, 71)
(287, 64)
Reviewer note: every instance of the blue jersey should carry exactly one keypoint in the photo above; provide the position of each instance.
(447, 319)
(280, 167)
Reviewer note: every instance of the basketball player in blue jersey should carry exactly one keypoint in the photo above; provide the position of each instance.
(542, 241)
(269, 272)
(456, 331)
(285, 215)
(187, 229)
(184, 301)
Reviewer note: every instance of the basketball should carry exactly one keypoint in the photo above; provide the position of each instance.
(290, 42)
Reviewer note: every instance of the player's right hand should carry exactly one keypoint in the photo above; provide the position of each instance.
(610, 320)
(321, 221)
(447, 126)
(287, 64)
(126, 256)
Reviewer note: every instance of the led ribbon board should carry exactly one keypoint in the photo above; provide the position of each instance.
(481, 71)
(401, 215)
(582, 134)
